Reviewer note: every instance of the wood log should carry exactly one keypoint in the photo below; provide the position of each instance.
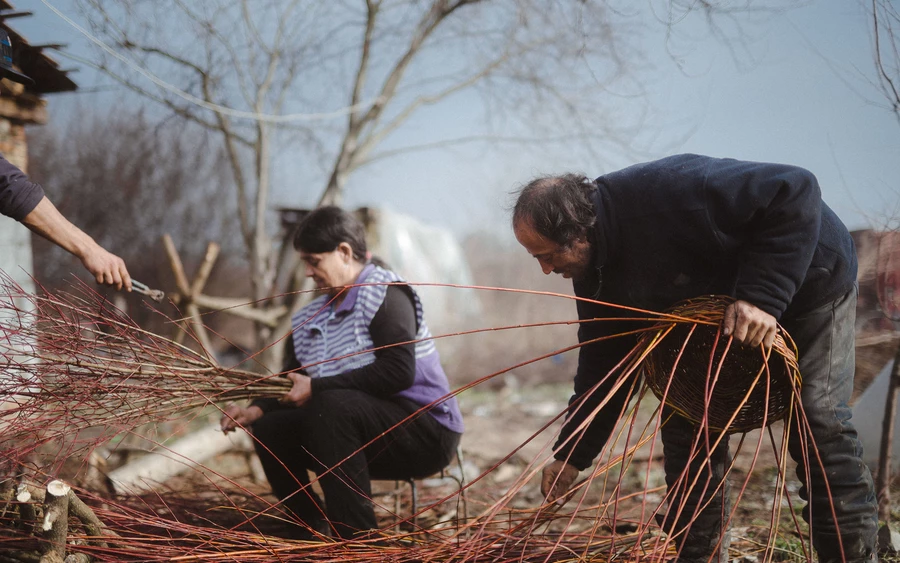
(154, 469)
(92, 525)
(21, 110)
(56, 522)
(15, 556)
(187, 290)
(6, 498)
(181, 281)
(256, 469)
(206, 266)
(27, 515)
(241, 307)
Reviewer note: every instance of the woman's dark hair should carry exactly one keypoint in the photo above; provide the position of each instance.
(323, 229)
(559, 208)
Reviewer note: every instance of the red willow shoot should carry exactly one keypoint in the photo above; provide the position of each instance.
(73, 361)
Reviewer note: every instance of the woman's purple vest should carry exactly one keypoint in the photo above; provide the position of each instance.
(329, 341)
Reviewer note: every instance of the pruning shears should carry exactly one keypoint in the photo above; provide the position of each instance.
(154, 294)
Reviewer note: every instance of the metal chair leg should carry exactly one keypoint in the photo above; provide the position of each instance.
(462, 483)
(415, 502)
(397, 505)
(414, 491)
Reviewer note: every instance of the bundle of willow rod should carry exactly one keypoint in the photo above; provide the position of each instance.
(697, 371)
(198, 528)
(73, 360)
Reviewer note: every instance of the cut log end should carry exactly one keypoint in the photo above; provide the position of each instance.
(23, 494)
(58, 488)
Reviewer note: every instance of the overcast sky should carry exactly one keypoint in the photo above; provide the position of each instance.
(804, 100)
(796, 94)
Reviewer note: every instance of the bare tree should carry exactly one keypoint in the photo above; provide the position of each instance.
(128, 180)
(330, 82)
(885, 32)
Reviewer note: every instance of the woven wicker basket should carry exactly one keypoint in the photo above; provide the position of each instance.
(739, 391)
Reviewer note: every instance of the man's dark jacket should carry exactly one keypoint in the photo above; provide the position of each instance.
(691, 225)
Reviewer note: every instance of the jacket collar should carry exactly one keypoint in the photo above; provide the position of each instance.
(602, 234)
(350, 300)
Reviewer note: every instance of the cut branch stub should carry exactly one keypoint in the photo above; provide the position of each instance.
(55, 525)
(27, 513)
(22, 493)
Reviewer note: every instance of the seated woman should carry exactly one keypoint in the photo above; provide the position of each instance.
(355, 389)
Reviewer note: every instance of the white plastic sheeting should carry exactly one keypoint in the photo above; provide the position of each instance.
(425, 254)
(15, 252)
(16, 263)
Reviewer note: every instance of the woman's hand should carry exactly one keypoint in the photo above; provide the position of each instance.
(300, 392)
(236, 416)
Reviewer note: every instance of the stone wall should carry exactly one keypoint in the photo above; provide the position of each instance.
(13, 145)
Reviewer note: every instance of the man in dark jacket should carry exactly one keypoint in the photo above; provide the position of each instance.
(656, 233)
(25, 201)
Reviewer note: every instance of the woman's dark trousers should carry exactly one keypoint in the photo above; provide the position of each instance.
(326, 433)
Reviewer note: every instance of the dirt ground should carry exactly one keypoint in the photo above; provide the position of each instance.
(510, 431)
(501, 419)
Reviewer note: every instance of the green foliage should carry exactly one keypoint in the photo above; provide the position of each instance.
(789, 549)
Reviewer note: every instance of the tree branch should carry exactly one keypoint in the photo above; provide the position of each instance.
(438, 13)
(377, 136)
(890, 89)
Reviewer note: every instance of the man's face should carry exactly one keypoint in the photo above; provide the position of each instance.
(571, 260)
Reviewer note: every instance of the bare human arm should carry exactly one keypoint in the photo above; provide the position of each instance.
(107, 268)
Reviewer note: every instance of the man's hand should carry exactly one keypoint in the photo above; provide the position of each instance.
(49, 223)
(300, 392)
(749, 324)
(237, 416)
(557, 479)
(106, 267)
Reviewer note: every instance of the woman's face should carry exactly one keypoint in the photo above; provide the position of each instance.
(331, 270)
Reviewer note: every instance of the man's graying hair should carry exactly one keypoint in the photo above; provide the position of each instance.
(559, 208)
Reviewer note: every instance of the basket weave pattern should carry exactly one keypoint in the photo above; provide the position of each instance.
(742, 386)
